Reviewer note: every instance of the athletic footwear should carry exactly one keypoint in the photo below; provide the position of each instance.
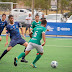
(23, 60)
(33, 65)
(0, 58)
(15, 63)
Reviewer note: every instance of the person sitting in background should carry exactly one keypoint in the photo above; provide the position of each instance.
(28, 23)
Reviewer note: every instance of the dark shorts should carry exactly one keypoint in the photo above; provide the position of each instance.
(28, 26)
(0, 33)
(14, 42)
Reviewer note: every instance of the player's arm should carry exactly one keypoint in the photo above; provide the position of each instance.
(30, 34)
(20, 26)
(32, 26)
(7, 34)
(47, 29)
(43, 36)
(22, 32)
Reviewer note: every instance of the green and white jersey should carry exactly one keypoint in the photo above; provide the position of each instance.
(37, 34)
(35, 24)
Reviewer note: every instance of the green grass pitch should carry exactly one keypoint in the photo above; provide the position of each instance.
(59, 49)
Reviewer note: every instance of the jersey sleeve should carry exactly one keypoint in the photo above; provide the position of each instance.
(19, 25)
(44, 30)
(32, 25)
(32, 30)
(7, 30)
(6, 23)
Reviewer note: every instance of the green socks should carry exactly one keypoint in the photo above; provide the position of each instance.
(36, 59)
(21, 55)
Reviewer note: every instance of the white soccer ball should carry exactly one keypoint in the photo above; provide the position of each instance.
(54, 64)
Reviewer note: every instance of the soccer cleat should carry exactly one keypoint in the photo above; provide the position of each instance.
(0, 58)
(15, 63)
(23, 60)
(33, 65)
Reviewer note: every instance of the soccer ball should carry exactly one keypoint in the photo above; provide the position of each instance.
(54, 64)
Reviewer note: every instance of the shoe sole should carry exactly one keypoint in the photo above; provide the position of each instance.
(24, 61)
(32, 66)
(15, 64)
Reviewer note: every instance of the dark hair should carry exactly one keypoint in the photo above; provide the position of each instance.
(3, 15)
(10, 16)
(44, 22)
(36, 15)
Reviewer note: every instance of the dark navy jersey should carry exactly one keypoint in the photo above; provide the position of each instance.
(2, 25)
(14, 30)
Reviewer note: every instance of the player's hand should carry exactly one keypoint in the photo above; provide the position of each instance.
(6, 43)
(47, 29)
(43, 44)
(24, 36)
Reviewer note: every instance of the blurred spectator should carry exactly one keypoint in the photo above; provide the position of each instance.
(28, 23)
(43, 18)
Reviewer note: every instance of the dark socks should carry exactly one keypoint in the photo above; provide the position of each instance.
(3, 53)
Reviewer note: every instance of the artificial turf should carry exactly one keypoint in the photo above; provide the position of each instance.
(58, 49)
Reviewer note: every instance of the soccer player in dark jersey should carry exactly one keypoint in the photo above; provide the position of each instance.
(13, 29)
(3, 23)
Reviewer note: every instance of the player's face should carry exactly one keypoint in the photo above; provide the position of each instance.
(29, 15)
(3, 17)
(45, 25)
(42, 16)
(37, 18)
(11, 20)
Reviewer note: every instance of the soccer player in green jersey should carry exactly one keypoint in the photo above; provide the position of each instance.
(36, 22)
(33, 25)
(36, 35)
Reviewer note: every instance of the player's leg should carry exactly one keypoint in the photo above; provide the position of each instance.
(23, 58)
(5, 52)
(26, 29)
(24, 43)
(39, 48)
(12, 44)
(0, 38)
(28, 49)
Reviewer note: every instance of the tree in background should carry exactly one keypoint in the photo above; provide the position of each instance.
(63, 5)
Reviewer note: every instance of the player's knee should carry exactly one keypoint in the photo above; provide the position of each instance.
(9, 48)
(41, 53)
(25, 44)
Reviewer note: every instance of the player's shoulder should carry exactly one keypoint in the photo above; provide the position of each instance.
(8, 26)
(6, 22)
(16, 23)
(39, 21)
(33, 22)
(43, 28)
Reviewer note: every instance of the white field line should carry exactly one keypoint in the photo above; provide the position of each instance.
(57, 46)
